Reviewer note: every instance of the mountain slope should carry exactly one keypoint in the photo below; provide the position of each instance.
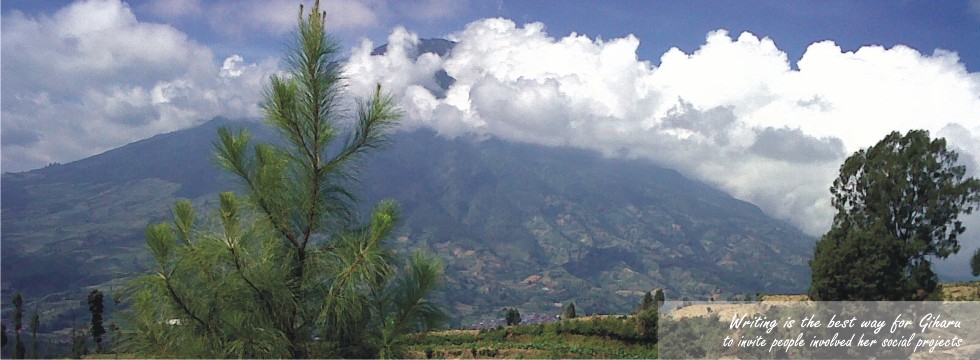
(516, 224)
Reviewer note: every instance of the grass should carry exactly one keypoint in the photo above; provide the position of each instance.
(962, 291)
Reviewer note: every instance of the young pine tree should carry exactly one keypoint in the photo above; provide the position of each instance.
(288, 270)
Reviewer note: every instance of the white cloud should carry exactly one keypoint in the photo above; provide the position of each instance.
(92, 77)
(734, 113)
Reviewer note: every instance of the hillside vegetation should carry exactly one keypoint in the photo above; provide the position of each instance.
(589, 337)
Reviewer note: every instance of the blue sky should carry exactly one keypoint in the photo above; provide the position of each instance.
(923, 25)
(763, 99)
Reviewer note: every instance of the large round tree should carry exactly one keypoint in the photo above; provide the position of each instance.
(898, 204)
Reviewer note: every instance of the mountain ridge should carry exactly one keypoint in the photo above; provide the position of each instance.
(516, 224)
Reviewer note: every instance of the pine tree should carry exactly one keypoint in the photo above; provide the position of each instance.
(95, 306)
(569, 311)
(288, 270)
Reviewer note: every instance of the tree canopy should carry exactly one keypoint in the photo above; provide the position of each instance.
(288, 270)
(512, 317)
(897, 205)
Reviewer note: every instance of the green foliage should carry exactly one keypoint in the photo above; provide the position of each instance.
(658, 297)
(898, 204)
(607, 337)
(641, 328)
(647, 303)
(96, 307)
(288, 271)
(646, 324)
(18, 302)
(513, 317)
(975, 263)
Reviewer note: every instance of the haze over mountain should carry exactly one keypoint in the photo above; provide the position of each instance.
(516, 224)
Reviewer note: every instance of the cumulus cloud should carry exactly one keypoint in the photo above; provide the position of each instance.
(92, 77)
(734, 113)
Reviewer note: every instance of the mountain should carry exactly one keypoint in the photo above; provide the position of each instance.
(516, 225)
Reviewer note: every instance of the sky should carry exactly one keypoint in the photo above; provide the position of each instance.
(763, 99)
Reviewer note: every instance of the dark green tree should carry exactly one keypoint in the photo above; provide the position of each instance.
(289, 270)
(96, 307)
(647, 303)
(19, 350)
(975, 263)
(658, 297)
(35, 324)
(646, 324)
(569, 311)
(513, 317)
(897, 207)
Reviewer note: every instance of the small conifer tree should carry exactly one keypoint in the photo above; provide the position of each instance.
(96, 307)
(647, 303)
(289, 270)
(569, 311)
(975, 263)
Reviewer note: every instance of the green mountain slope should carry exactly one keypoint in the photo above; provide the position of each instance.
(517, 225)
